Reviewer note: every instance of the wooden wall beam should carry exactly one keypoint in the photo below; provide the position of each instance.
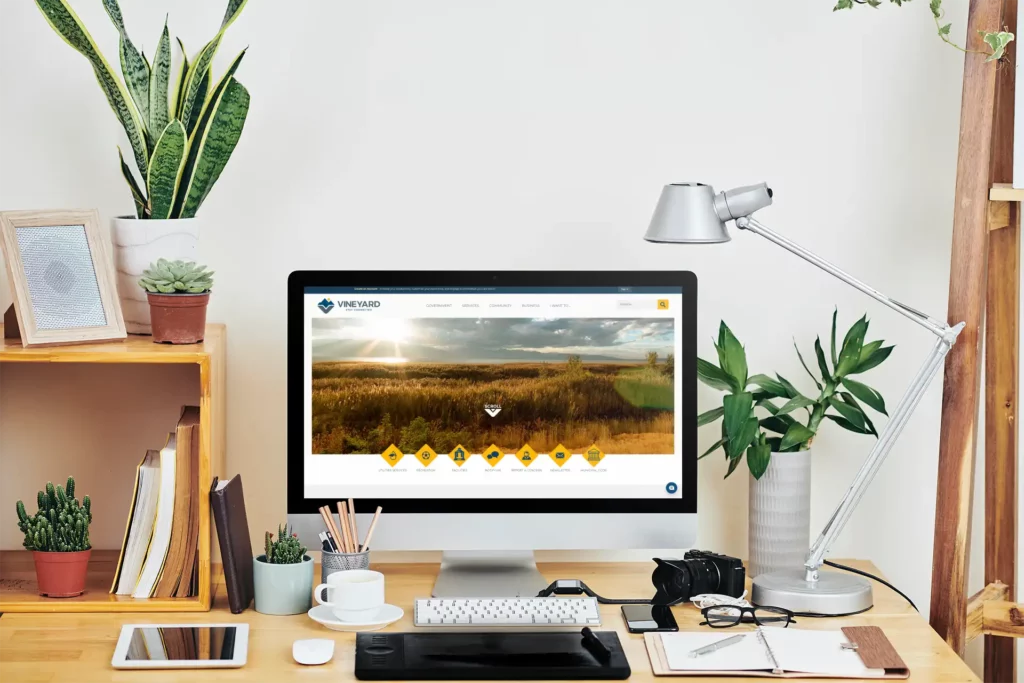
(993, 592)
(1004, 621)
(967, 283)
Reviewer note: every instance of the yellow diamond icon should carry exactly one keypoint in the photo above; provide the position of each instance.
(526, 455)
(560, 455)
(459, 455)
(425, 455)
(594, 455)
(392, 455)
(493, 455)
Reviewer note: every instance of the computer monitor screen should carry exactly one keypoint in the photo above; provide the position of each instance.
(539, 393)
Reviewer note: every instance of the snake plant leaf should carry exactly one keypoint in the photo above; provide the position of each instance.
(866, 394)
(159, 114)
(710, 416)
(67, 24)
(804, 363)
(234, 8)
(141, 210)
(796, 434)
(714, 377)
(179, 90)
(165, 169)
(758, 456)
(209, 150)
(133, 64)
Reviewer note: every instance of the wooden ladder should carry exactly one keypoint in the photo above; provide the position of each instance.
(984, 291)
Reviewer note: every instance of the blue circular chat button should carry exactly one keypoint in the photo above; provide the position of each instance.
(671, 487)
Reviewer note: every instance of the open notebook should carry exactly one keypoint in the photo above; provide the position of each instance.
(778, 652)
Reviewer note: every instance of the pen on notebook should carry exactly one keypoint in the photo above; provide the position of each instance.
(714, 647)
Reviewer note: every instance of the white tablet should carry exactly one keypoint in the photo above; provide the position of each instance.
(181, 646)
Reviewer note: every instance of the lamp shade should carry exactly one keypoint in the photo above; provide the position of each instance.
(686, 215)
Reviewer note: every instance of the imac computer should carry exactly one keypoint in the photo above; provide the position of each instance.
(494, 414)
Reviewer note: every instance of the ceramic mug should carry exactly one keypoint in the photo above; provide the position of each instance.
(355, 596)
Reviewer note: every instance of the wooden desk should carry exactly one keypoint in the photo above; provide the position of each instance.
(78, 647)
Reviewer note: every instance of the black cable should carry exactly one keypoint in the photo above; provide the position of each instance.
(873, 578)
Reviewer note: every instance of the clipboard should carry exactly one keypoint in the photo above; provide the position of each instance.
(872, 646)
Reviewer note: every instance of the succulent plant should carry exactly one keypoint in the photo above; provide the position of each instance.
(286, 549)
(61, 524)
(176, 277)
(182, 127)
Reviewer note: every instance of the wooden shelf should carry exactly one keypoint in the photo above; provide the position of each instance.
(1005, 192)
(18, 591)
(17, 571)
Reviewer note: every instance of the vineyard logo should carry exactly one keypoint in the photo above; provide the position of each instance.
(492, 409)
(325, 305)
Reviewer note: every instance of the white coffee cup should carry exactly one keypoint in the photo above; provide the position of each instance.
(355, 596)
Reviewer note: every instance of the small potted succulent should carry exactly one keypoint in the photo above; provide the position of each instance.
(178, 293)
(283, 576)
(58, 536)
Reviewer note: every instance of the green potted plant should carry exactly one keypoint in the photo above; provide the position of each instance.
(771, 422)
(178, 294)
(283, 575)
(182, 126)
(58, 536)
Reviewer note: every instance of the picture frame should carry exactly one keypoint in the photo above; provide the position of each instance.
(62, 277)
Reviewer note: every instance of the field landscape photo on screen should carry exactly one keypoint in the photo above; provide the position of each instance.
(502, 381)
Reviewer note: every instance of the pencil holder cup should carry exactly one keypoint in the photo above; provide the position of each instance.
(341, 562)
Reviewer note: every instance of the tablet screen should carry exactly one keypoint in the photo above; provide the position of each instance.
(179, 643)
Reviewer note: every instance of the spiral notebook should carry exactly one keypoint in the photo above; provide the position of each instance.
(779, 653)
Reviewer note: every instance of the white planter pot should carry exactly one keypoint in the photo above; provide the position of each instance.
(780, 514)
(138, 243)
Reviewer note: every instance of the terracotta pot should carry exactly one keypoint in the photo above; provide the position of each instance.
(61, 575)
(178, 318)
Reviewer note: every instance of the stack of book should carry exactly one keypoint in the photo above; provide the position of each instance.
(159, 555)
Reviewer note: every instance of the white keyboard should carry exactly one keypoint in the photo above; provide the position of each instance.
(501, 612)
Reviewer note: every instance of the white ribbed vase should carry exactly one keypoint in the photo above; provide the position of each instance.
(137, 243)
(780, 514)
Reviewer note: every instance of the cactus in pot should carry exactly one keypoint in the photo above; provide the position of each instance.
(58, 536)
(178, 293)
(283, 575)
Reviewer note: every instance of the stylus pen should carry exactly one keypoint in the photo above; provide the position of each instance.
(714, 647)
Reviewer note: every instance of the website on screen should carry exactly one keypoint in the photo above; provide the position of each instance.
(451, 392)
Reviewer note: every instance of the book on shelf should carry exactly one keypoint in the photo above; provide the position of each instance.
(139, 529)
(228, 504)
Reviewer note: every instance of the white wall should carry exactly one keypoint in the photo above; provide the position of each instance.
(518, 134)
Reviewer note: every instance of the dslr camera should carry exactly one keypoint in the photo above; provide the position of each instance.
(699, 572)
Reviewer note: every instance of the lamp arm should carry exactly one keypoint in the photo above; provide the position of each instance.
(897, 421)
(937, 327)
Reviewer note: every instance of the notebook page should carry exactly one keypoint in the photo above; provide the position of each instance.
(747, 655)
(816, 652)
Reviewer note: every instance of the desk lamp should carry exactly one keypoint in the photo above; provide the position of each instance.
(691, 213)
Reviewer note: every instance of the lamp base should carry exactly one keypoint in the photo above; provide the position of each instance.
(833, 594)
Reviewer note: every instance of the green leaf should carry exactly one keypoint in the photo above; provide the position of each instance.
(944, 30)
(998, 43)
(736, 420)
(137, 196)
(936, 7)
(795, 403)
(215, 138)
(779, 425)
(766, 404)
(822, 365)
(872, 355)
(199, 72)
(866, 394)
(67, 24)
(733, 464)
(796, 434)
(804, 363)
(835, 359)
(717, 444)
(849, 399)
(231, 13)
(849, 356)
(159, 115)
(843, 4)
(791, 391)
(747, 434)
(766, 383)
(179, 90)
(731, 356)
(165, 169)
(758, 456)
(710, 416)
(846, 424)
(133, 64)
(714, 377)
(851, 413)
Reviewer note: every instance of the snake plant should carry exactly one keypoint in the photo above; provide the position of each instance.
(181, 142)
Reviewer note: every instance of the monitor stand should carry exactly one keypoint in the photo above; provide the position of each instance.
(488, 574)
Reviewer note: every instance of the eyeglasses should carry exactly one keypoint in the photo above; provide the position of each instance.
(724, 616)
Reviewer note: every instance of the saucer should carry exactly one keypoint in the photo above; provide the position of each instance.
(323, 615)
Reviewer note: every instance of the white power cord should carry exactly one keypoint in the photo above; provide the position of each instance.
(715, 600)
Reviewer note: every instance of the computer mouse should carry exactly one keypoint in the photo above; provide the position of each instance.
(313, 651)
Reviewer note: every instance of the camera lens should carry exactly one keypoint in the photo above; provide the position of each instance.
(679, 580)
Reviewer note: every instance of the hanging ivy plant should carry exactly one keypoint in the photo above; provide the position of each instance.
(996, 41)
